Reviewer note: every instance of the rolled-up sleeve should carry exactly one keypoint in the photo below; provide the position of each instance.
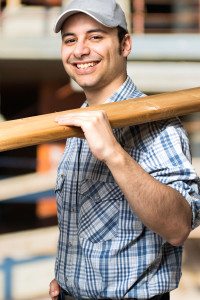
(168, 160)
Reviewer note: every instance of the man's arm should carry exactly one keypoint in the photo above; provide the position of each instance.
(160, 207)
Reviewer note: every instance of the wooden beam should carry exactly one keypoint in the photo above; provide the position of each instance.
(24, 185)
(40, 129)
(41, 241)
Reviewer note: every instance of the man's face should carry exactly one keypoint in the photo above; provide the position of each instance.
(91, 53)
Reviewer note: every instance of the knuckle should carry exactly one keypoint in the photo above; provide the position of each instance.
(101, 113)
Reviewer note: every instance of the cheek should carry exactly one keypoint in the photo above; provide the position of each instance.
(114, 52)
(65, 54)
(115, 56)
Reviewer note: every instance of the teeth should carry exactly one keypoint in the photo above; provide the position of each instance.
(85, 66)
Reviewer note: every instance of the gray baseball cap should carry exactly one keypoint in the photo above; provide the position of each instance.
(106, 12)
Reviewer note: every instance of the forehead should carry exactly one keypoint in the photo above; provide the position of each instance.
(80, 22)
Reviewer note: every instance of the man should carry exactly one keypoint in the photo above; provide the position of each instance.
(128, 198)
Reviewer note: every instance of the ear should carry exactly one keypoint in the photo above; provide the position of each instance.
(126, 45)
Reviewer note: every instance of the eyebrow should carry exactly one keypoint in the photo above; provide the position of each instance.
(89, 31)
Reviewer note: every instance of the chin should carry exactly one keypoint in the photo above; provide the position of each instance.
(86, 84)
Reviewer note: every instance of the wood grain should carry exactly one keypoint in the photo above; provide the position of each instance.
(41, 129)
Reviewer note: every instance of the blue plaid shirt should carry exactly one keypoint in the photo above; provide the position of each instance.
(104, 250)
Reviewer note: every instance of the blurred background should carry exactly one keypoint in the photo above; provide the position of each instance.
(165, 57)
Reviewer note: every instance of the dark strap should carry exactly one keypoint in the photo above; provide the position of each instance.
(64, 296)
(165, 296)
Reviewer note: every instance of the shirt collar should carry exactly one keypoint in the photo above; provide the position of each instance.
(124, 91)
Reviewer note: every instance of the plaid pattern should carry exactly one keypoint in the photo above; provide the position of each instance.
(104, 250)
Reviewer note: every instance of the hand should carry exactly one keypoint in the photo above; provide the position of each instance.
(97, 130)
(54, 290)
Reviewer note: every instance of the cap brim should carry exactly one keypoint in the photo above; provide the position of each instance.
(65, 15)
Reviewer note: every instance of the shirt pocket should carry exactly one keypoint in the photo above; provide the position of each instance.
(99, 210)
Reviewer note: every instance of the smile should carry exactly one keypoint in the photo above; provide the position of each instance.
(86, 65)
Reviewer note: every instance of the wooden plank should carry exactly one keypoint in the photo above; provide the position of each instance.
(39, 129)
(41, 241)
(24, 185)
(192, 126)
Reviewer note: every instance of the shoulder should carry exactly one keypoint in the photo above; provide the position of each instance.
(165, 132)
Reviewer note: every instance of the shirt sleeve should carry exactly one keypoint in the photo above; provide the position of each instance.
(168, 160)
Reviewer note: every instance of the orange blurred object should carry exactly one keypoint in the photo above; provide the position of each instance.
(46, 207)
(48, 156)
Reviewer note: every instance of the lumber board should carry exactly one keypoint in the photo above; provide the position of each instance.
(41, 129)
(24, 185)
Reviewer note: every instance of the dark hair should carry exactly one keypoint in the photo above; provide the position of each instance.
(121, 32)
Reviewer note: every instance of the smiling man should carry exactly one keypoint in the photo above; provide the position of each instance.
(93, 57)
(127, 198)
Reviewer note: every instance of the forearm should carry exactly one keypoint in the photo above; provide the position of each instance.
(160, 207)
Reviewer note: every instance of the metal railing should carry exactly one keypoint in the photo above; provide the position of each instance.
(165, 16)
(7, 267)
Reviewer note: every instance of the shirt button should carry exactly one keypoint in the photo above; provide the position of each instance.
(97, 199)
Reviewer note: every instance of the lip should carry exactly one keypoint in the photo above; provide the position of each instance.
(87, 70)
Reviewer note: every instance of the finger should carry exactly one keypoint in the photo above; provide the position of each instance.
(80, 119)
(86, 114)
(54, 295)
(54, 289)
(71, 121)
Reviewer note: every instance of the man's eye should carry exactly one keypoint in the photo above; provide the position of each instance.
(96, 37)
(69, 41)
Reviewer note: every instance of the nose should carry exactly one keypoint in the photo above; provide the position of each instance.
(81, 49)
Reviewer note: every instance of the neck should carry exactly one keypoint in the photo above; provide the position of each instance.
(96, 96)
